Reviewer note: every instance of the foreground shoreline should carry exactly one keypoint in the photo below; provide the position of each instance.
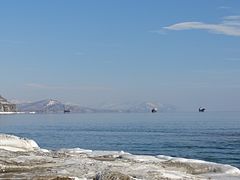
(22, 158)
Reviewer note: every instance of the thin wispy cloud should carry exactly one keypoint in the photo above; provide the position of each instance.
(161, 31)
(224, 7)
(80, 88)
(12, 42)
(230, 26)
(40, 86)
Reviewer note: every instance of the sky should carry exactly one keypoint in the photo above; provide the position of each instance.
(185, 53)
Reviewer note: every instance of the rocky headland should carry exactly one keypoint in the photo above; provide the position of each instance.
(5, 106)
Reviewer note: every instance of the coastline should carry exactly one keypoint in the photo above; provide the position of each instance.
(9, 113)
(23, 158)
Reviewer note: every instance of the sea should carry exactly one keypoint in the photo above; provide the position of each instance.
(210, 136)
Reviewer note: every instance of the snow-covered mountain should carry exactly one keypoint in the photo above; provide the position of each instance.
(43, 106)
(139, 107)
(51, 106)
(55, 106)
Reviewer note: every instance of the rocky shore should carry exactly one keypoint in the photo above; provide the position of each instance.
(6, 107)
(22, 158)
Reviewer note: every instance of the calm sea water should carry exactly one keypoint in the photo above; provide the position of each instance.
(208, 136)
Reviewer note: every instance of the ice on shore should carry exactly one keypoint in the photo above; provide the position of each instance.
(21, 158)
(14, 143)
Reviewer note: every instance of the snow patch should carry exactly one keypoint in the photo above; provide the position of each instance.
(52, 102)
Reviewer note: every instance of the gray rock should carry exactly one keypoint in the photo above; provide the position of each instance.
(111, 175)
(6, 106)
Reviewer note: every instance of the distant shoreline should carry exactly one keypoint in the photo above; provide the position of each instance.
(7, 113)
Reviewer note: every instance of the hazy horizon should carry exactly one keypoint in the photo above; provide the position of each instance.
(185, 53)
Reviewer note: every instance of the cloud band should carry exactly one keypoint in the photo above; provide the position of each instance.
(230, 26)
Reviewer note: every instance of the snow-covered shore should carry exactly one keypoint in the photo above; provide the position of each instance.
(23, 158)
(7, 113)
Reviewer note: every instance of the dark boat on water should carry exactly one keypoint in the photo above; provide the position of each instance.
(154, 110)
(66, 111)
(201, 109)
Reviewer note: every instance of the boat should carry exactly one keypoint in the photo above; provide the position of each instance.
(154, 110)
(66, 111)
(201, 109)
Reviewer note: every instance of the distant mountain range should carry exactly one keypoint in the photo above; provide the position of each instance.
(55, 106)
(139, 107)
(51, 106)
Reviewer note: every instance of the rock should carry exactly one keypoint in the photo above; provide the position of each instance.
(52, 178)
(111, 175)
(21, 158)
(6, 106)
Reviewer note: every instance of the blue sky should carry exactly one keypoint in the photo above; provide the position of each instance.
(185, 53)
